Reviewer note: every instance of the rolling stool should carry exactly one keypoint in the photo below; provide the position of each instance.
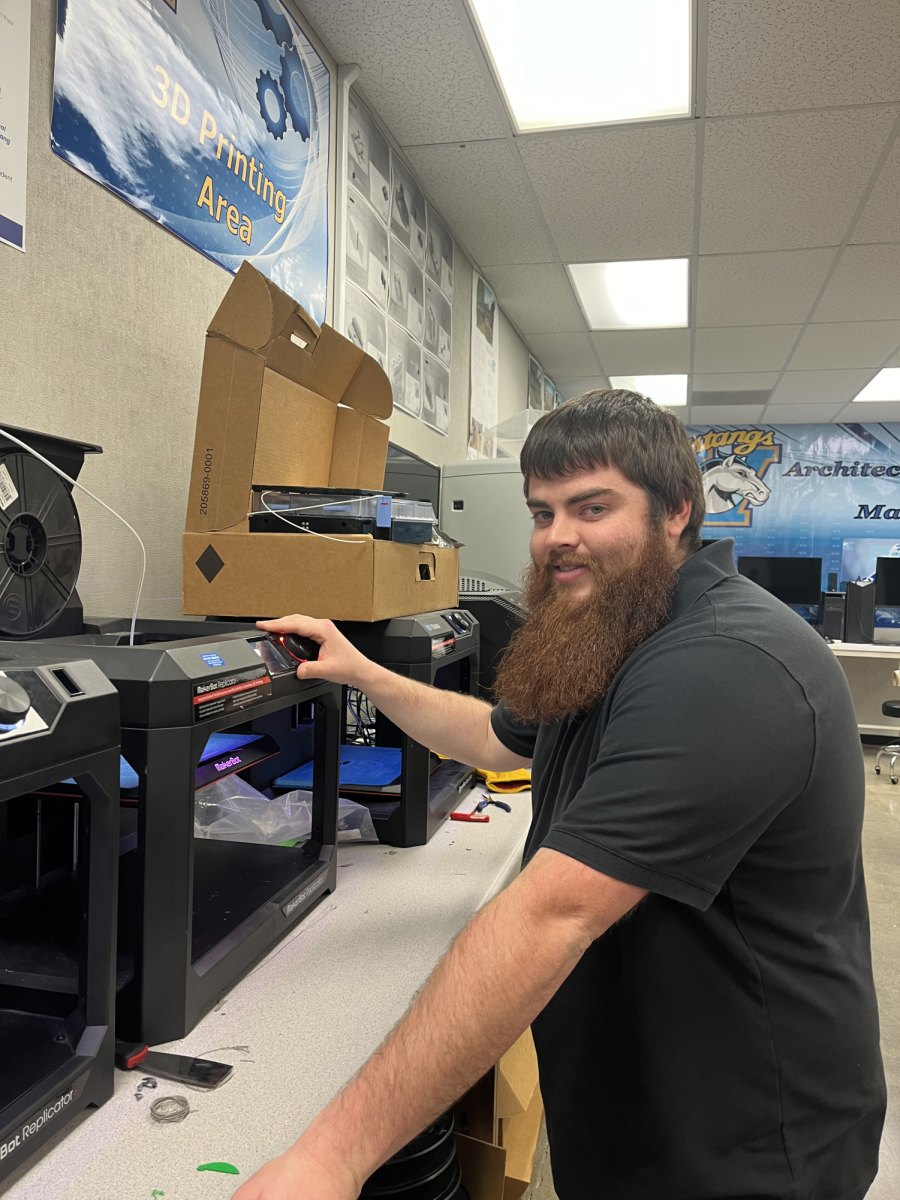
(890, 708)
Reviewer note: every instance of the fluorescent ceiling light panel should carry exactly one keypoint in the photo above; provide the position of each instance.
(589, 62)
(667, 390)
(649, 294)
(885, 386)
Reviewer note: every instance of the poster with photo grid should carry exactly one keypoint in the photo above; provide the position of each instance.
(399, 273)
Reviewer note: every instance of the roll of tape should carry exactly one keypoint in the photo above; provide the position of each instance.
(897, 679)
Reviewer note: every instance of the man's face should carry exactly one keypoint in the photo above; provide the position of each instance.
(597, 514)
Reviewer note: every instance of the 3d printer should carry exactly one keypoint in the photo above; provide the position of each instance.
(59, 720)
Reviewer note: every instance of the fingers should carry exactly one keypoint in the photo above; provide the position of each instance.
(308, 670)
(297, 623)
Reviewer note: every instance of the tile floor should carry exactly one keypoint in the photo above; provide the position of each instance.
(881, 850)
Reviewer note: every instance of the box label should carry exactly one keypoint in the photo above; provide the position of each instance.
(8, 491)
(230, 693)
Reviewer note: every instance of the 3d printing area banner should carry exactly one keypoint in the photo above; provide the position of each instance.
(822, 491)
(210, 116)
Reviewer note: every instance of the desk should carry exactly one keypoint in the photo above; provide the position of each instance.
(310, 1014)
(869, 670)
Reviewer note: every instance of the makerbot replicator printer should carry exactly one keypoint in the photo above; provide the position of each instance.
(59, 720)
(198, 704)
(196, 913)
(437, 648)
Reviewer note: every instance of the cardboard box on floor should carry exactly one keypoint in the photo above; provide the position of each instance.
(286, 403)
(498, 1122)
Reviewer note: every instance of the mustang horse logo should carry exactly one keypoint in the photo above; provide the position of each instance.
(727, 480)
(734, 463)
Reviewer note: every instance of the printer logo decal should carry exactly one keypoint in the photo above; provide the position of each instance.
(294, 903)
(231, 693)
(38, 1120)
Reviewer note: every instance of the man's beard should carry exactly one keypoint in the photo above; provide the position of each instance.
(564, 657)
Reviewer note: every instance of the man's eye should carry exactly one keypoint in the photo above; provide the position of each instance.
(594, 510)
(542, 516)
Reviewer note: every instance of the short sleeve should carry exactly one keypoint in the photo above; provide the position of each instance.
(707, 742)
(515, 735)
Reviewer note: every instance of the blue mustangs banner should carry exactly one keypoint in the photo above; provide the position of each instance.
(823, 491)
(212, 117)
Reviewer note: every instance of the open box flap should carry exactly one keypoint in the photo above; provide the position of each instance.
(517, 1077)
(259, 316)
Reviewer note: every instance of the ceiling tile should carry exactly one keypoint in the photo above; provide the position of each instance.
(863, 287)
(846, 344)
(538, 298)
(742, 381)
(819, 387)
(579, 385)
(479, 189)
(764, 55)
(880, 220)
(760, 289)
(564, 354)
(788, 180)
(800, 414)
(884, 411)
(616, 194)
(757, 348)
(702, 414)
(644, 351)
(417, 66)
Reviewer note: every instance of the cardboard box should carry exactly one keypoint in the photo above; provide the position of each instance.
(240, 575)
(498, 1123)
(284, 403)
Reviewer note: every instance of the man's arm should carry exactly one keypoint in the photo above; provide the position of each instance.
(452, 724)
(498, 975)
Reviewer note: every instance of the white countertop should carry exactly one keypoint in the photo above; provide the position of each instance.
(867, 650)
(310, 1014)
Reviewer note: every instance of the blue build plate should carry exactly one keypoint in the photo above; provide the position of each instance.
(361, 766)
(127, 775)
(227, 743)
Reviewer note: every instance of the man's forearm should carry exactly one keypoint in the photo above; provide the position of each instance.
(496, 978)
(449, 722)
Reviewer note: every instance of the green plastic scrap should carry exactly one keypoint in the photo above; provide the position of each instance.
(224, 1168)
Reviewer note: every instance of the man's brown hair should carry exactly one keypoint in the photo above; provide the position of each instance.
(626, 430)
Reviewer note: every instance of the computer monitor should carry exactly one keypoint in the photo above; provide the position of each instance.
(887, 582)
(792, 580)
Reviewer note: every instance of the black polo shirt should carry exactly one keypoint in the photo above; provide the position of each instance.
(720, 1042)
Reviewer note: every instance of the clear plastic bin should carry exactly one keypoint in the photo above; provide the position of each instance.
(305, 505)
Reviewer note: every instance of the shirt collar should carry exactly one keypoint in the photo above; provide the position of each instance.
(703, 571)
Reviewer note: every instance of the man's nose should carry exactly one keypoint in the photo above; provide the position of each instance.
(562, 534)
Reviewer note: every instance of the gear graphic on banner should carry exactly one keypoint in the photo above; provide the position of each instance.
(275, 20)
(271, 105)
(296, 91)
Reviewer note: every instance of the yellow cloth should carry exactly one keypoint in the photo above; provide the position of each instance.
(506, 781)
(501, 781)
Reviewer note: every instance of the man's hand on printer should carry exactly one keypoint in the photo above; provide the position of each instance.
(338, 660)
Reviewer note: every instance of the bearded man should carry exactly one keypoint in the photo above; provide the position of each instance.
(689, 935)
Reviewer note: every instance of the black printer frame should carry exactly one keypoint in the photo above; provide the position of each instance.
(426, 798)
(170, 989)
(83, 1019)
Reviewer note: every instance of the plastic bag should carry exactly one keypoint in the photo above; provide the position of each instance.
(230, 810)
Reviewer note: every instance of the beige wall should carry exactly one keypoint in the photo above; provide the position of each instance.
(512, 371)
